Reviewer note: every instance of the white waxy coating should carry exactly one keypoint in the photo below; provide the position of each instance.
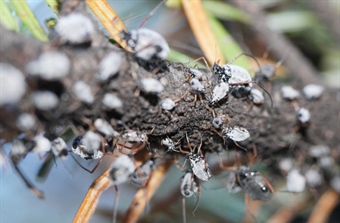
(236, 133)
(43, 145)
(220, 91)
(326, 162)
(295, 181)
(168, 143)
(92, 143)
(26, 122)
(217, 122)
(151, 85)
(83, 92)
(188, 185)
(256, 96)
(319, 150)
(74, 28)
(45, 100)
(148, 44)
(335, 183)
(57, 146)
(121, 170)
(112, 101)
(286, 164)
(199, 167)
(313, 91)
(104, 127)
(18, 148)
(50, 65)
(238, 74)
(109, 66)
(313, 177)
(289, 93)
(142, 174)
(196, 85)
(167, 104)
(303, 115)
(12, 84)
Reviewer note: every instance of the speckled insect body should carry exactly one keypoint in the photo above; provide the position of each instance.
(142, 174)
(253, 183)
(188, 185)
(121, 170)
(220, 91)
(199, 166)
(236, 133)
(146, 43)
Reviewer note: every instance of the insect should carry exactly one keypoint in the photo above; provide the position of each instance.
(220, 91)
(289, 93)
(172, 146)
(256, 96)
(147, 44)
(120, 172)
(236, 133)
(189, 186)
(313, 91)
(295, 181)
(303, 116)
(18, 152)
(217, 122)
(142, 174)
(197, 162)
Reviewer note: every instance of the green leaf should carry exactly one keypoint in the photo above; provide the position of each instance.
(6, 17)
(229, 46)
(225, 11)
(54, 5)
(28, 19)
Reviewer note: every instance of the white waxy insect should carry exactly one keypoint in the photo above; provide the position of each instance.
(142, 174)
(167, 104)
(105, 128)
(44, 100)
(313, 177)
(295, 181)
(196, 85)
(83, 92)
(18, 148)
(303, 116)
(188, 185)
(238, 75)
(121, 169)
(133, 136)
(109, 66)
(313, 91)
(75, 29)
(112, 101)
(151, 86)
(51, 65)
(59, 148)
(335, 183)
(26, 122)
(199, 166)
(146, 43)
(42, 146)
(286, 164)
(220, 91)
(13, 86)
(236, 133)
(88, 146)
(217, 122)
(289, 93)
(319, 151)
(326, 162)
(256, 96)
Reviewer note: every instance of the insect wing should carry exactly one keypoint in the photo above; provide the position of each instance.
(238, 75)
(220, 91)
(237, 133)
(199, 167)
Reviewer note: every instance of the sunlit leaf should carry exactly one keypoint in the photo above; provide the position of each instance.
(6, 18)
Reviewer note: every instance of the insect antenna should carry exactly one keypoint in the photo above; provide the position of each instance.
(151, 13)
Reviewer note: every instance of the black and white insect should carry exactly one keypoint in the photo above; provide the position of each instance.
(313, 91)
(88, 146)
(289, 93)
(217, 122)
(236, 133)
(120, 172)
(303, 117)
(172, 146)
(197, 162)
(253, 183)
(19, 150)
(220, 91)
(147, 44)
(256, 96)
(296, 182)
(189, 187)
(142, 173)
(59, 148)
